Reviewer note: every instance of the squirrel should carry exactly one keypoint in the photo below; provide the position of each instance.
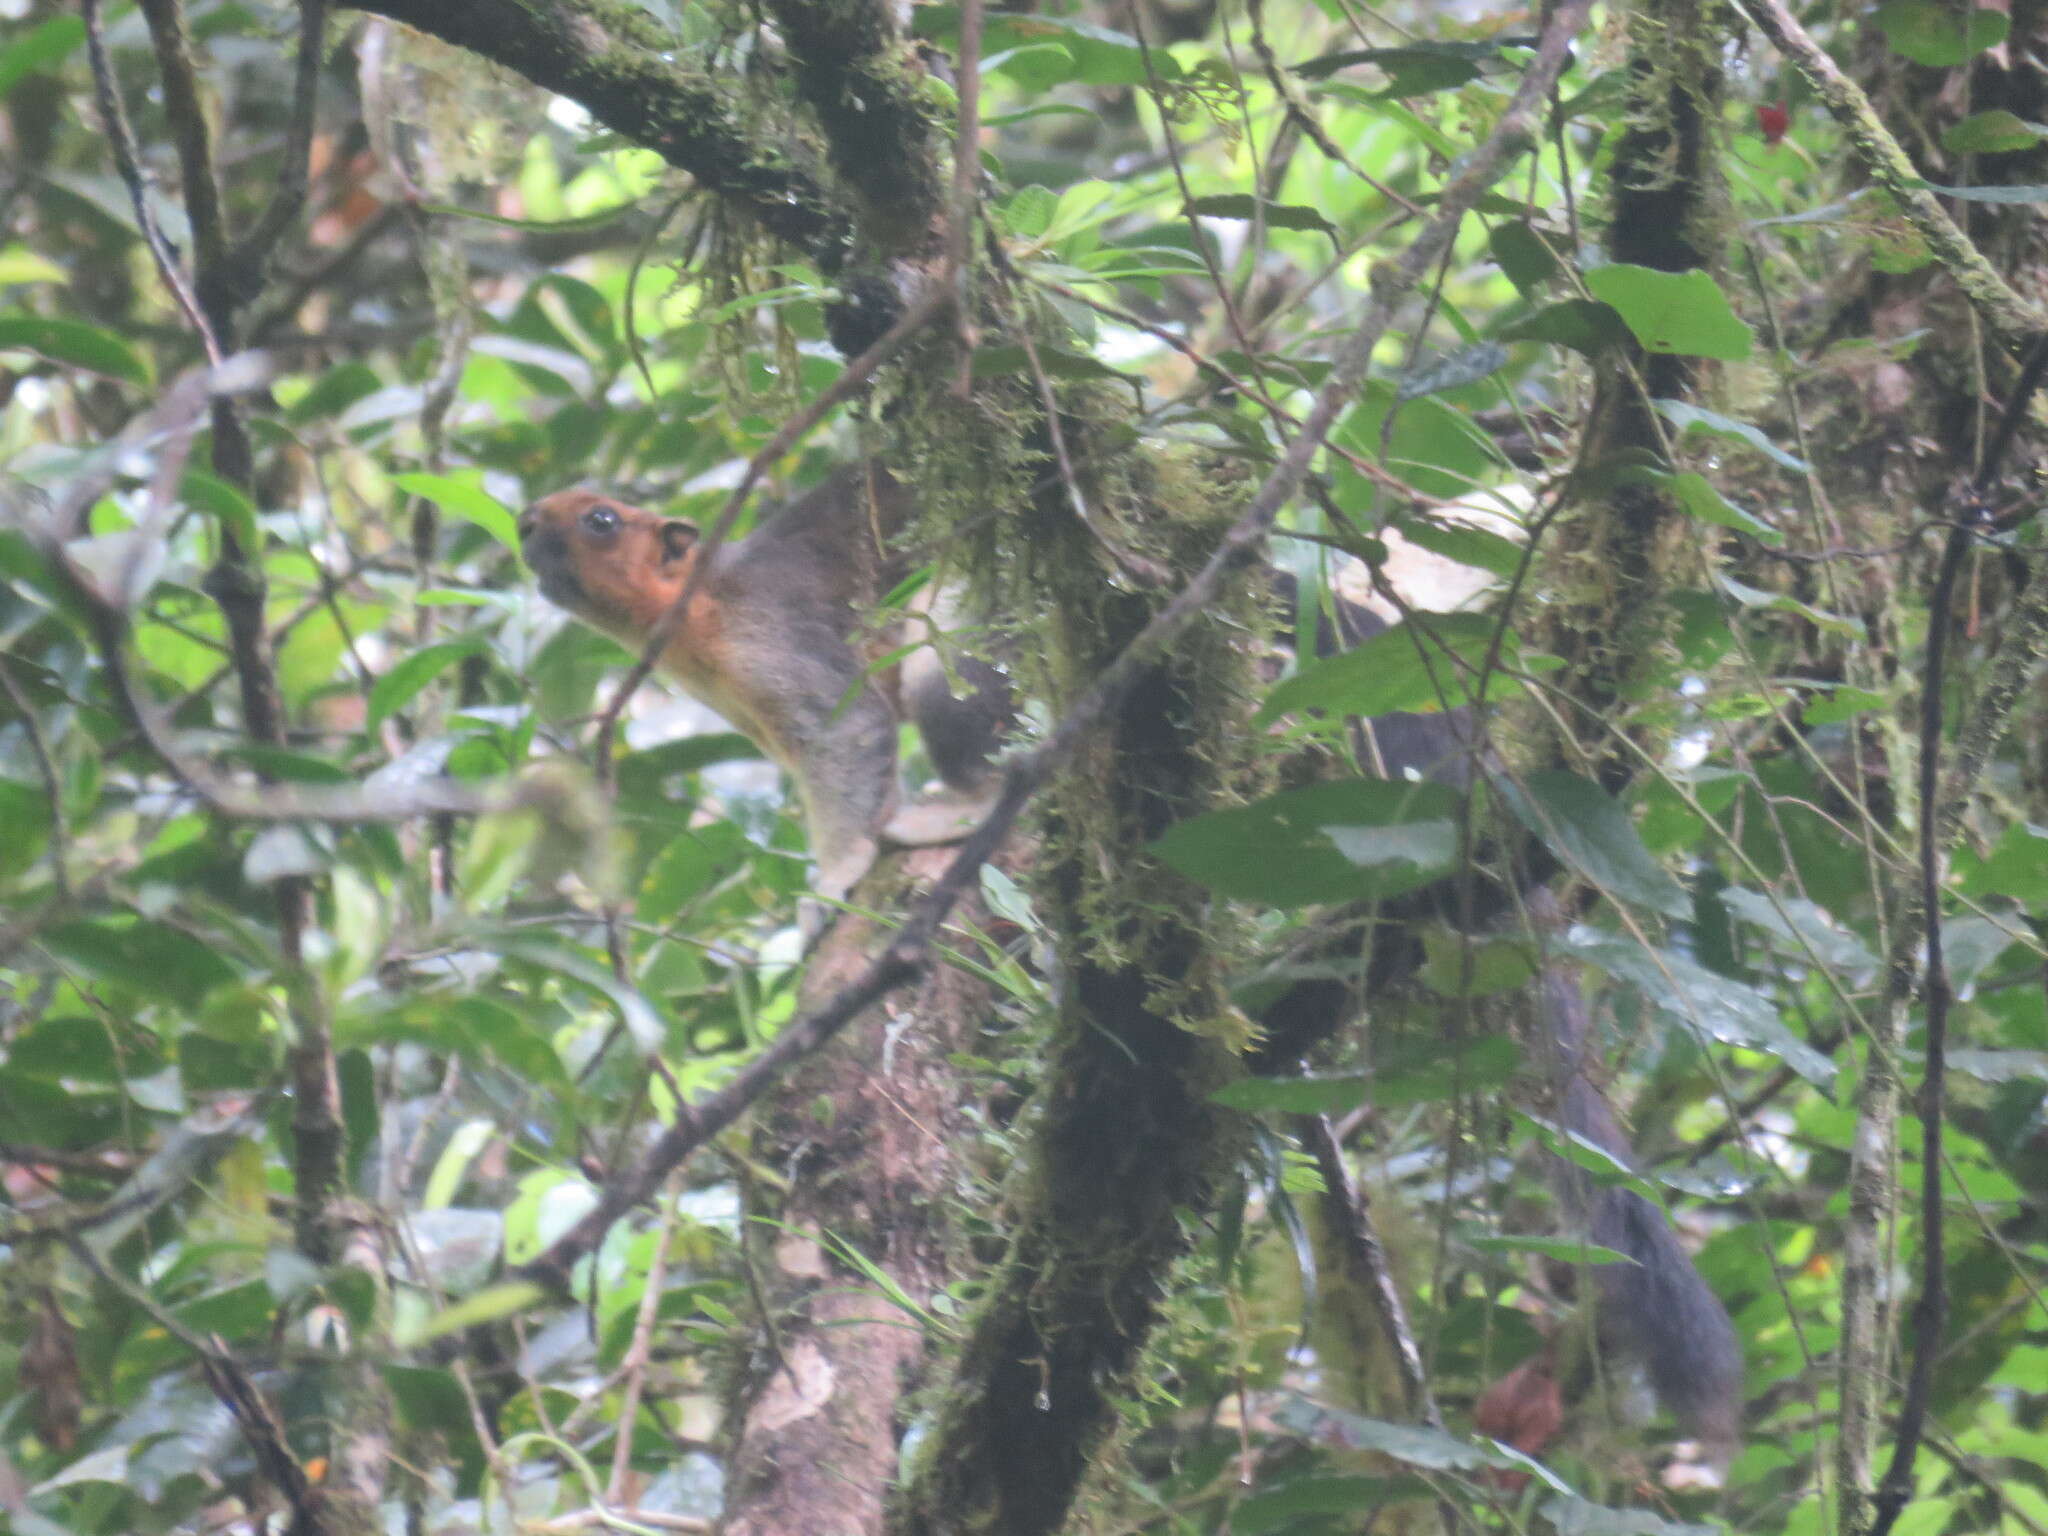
(772, 641)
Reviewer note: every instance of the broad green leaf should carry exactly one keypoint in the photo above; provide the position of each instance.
(1690, 418)
(1424, 1072)
(334, 392)
(402, 684)
(1522, 254)
(1007, 358)
(1028, 213)
(1805, 931)
(43, 45)
(1588, 829)
(1990, 133)
(1684, 313)
(1417, 666)
(1294, 1095)
(229, 503)
(1280, 1508)
(1242, 205)
(1429, 443)
(1467, 365)
(1689, 996)
(1847, 626)
(1036, 66)
(20, 266)
(1584, 325)
(1566, 1250)
(486, 1306)
(150, 960)
(1354, 839)
(1600, 1166)
(467, 499)
(1414, 69)
(1697, 495)
(1937, 33)
(1463, 967)
(75, 344)
(1101, 56)
(452, 1166)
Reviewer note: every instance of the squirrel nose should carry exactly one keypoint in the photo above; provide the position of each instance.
(528, 521)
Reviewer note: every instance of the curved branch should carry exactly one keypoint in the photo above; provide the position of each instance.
(854, 70)
(621, 67)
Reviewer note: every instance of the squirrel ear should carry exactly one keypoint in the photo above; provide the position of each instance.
(677, 538)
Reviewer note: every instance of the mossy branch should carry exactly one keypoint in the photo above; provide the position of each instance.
(856, 73)
(613, 60)
(2015, 321)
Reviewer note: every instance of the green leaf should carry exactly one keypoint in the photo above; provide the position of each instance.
(1696, 494)
(1784, 602)
(1584, 325)
(398, 687)
(1990, 133)
(1480, 548)
(1459, 966)
(690, 865)
(1937, 33)
(1276, 1510)
(486, 1306)
(1355, 839)
(465, 497)
(1294, 1095)
(1683, 313)
(1424, 1072)
(1601, 1166)
(1028, 213)
(1010, 358)
(20, 266)
(1587, 828)
(150, 960)
(1415, 69)
(1413, 667)
(1805, 931)
(1036, 66)
(1688, 996)
(1522, 254)
(39, 48)
(225, 501)
(1101, 57)
(334, 392)
(1566, 1250)
(1242, 205)
(75, 344)
(1430, 443)
(1690, 418)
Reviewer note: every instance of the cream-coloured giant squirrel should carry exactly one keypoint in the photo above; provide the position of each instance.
(776, 639)
(773, 640)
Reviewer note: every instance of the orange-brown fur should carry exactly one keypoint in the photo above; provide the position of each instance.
(771, 642)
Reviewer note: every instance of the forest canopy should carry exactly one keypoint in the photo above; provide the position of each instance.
(1492, 980)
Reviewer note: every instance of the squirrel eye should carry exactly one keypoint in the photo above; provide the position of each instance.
(601, 519)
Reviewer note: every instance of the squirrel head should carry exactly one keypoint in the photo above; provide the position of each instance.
(616, 567)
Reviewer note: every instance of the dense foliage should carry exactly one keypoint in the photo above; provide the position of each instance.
(344, 964)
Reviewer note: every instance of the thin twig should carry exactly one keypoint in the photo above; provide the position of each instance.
(634, 1367)
(128, 161)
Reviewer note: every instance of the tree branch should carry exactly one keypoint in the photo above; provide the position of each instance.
(621, 66)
